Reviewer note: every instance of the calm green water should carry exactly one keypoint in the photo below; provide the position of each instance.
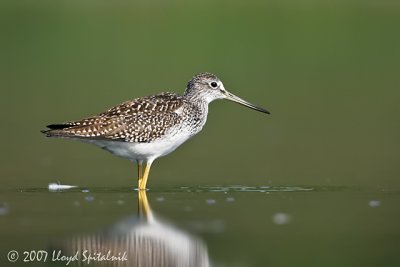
(316, 183)
(222, 226)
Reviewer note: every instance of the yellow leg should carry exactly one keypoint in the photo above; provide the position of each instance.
(140, 176)
(144, 207)
(143, 181)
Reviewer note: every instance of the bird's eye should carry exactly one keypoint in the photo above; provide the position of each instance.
(214, 85)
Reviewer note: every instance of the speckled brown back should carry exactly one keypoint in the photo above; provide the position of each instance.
(139, 120)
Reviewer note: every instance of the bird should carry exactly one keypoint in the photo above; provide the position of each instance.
(146, 128)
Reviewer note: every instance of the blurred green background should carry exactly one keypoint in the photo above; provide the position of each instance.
(327, 70)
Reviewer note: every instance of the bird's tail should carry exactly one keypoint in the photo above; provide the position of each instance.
(57, 130)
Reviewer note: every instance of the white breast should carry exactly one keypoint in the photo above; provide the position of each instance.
(146, 151)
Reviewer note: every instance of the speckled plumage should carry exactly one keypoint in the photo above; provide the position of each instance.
(146, 128)
(140, 120)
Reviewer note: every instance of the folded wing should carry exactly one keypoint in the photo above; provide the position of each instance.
(139, 120)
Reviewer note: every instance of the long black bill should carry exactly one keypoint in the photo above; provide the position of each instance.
(237, 99)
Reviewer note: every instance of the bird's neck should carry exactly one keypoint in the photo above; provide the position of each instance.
(197, 97)
(197, 101)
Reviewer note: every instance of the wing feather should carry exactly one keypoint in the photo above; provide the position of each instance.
(139, 120)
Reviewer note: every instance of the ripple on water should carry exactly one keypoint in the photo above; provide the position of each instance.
(241, 188)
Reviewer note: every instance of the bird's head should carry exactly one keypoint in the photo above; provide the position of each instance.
(208, 87)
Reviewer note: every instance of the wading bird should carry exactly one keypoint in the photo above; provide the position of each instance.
(146, 128)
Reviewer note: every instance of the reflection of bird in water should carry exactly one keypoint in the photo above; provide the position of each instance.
(146, 128)
(147, 241)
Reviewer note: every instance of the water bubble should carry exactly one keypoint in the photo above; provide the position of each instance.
(4, 209)
(160, 199)
(374, 203)
(89, 198)
(53, 187)
(85, 190)
(281, 218)
(230, 199)
(187, 209)
(211, 201)
(120, 202)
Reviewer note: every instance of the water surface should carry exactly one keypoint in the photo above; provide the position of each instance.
(228, 225)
